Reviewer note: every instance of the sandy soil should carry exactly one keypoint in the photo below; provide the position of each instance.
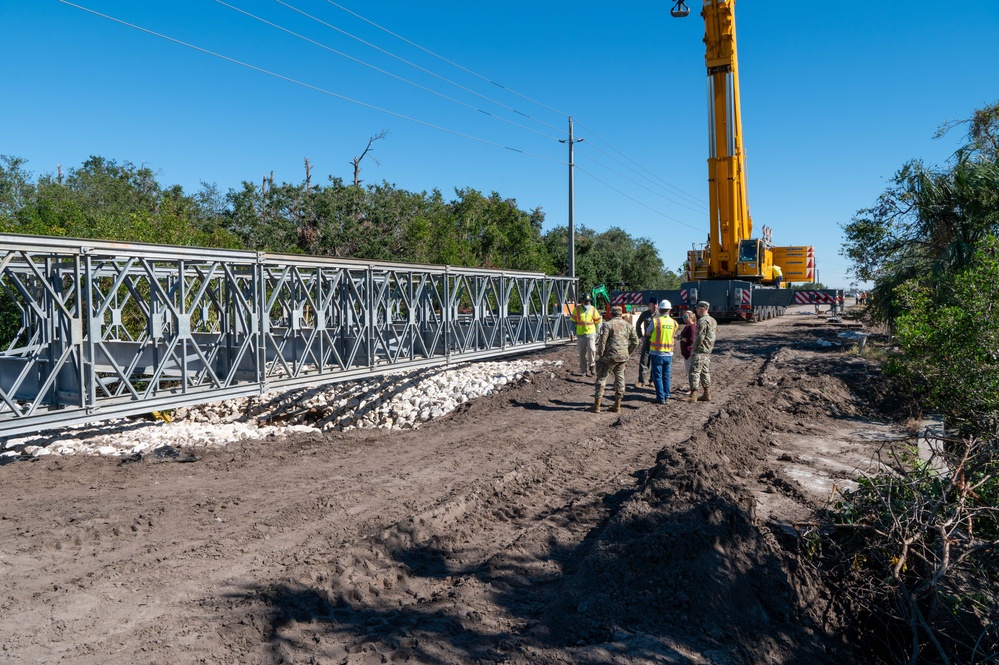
(519, 529)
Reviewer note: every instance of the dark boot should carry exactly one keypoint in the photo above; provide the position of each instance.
(617, 405)
(596, 405)
(706, 397)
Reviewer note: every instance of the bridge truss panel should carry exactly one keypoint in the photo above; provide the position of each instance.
(91, 330)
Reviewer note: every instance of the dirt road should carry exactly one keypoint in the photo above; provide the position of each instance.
(520, 529)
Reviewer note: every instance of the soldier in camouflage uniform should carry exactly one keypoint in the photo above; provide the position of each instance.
(700, 357)
(617, 342)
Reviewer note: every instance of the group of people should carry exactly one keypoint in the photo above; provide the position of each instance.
(605, 350)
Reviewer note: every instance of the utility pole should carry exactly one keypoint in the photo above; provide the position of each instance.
(572, 219)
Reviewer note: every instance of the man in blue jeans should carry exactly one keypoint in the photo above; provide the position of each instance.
(662, 339)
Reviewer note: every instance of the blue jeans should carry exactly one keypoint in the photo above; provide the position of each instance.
(661, 368)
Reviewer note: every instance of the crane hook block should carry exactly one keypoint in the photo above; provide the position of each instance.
(680, 9)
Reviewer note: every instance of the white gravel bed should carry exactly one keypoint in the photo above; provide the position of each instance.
(390, 401)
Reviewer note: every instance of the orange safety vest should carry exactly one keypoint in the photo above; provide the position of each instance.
(586, 319)
(661, 339)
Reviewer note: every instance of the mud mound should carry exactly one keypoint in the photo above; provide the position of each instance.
(685, 555)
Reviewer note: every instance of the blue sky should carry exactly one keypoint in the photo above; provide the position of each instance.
(835, 98)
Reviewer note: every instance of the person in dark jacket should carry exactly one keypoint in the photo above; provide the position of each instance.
(687, 342)
(642, 325)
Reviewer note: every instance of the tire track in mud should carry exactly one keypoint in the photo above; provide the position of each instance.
(502, 550)
(464, 541)
(453, 544)
(294, 526)
(451, 555)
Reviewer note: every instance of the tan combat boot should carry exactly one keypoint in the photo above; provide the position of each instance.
(617, 405)
(706, 397)
(596, 405)
(692, 397)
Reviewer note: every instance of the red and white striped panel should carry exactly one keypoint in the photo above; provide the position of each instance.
(627, 299)
(683, 297)
(812, 297)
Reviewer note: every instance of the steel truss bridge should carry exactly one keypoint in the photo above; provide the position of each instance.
(91, 330)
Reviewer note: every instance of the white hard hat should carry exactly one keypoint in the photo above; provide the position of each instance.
(665, 304)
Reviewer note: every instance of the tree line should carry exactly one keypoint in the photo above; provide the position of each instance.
(105, 199)
(920, 542)
(930, 244)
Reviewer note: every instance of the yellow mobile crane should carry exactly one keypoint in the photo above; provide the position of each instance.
(745, 264)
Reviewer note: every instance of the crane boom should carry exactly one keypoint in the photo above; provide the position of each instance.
(730, 219)
(732, 261)
(729, 252)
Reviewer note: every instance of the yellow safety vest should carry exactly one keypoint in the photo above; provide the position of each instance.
(661, 339)
(586, 319)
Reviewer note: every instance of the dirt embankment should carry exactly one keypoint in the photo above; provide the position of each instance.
(519, 529)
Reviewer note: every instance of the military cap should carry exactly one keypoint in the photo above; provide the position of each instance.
(703, 303)
(617, 310)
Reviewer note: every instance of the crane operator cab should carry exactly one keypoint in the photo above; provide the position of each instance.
(680, 9)
(756, 260)
(749, 257)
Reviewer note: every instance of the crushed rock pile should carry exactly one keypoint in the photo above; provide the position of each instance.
(390, 401)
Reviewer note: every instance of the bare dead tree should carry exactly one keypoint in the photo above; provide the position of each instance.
(356, 162)
(266, 185)
(308, 232)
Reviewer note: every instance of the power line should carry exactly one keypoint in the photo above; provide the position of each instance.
(344, 32)
(382, 71)
(383, 110)
(658, 212)
(453, 64)
(676, 190)
(411, 64)
(653, 175)
(306, 85)
(702, 210)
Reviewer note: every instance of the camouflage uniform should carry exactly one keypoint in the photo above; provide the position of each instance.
(618, 340)
(700, 357)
